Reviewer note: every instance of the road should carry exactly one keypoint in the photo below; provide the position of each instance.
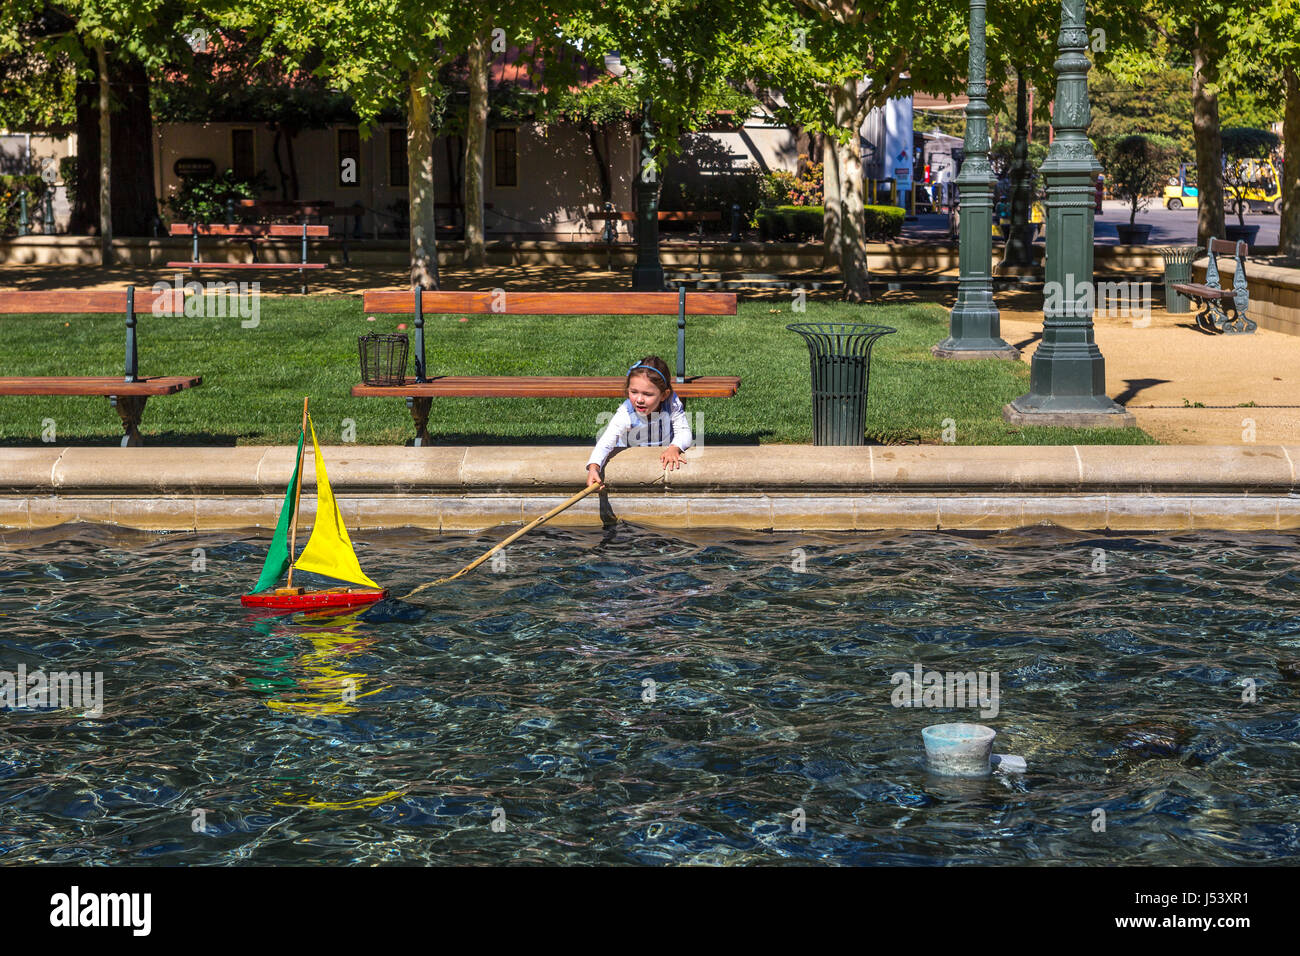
(1168, 226)
(1173, 225)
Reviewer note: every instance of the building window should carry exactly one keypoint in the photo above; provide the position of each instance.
(349, 157)
(242, 162)
(398, 174)
(505, 157)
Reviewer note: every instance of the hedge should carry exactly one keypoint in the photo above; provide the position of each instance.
(801, 223)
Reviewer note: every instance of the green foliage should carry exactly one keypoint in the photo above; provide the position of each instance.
(1136, 168)
(801, 223)
(784, 188)
(742, 187)
(1002, 156)
(797, 223)
(68, 173)
(609, 100)
(1244, 142)
(204, 200)
(883, 223)
(235, 80)
(11, 204)
(1157, 104)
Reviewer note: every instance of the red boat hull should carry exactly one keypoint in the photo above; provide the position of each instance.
(313, 600)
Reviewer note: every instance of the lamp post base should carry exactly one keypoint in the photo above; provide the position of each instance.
(647, 278)
(1010, 352)
(1090, 412)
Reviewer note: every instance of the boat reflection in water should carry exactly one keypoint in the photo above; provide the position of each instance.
(320, 683)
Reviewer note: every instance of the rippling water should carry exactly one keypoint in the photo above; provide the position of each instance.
(398, 734)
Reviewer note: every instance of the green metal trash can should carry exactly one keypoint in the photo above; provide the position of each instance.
(1178, 268)
(840, 359)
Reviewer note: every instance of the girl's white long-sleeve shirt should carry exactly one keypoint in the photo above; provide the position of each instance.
(628, 428)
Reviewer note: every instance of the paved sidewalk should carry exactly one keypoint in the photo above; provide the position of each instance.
(1171, 364)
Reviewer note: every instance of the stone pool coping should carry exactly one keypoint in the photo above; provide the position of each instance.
(776, 487)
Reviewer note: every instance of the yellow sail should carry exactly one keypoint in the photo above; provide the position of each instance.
(329, 550)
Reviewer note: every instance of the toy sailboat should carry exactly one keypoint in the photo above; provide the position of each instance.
(328, 550)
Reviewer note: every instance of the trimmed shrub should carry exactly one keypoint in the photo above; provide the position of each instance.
(802, 223)
(791, 223)
(883, 223)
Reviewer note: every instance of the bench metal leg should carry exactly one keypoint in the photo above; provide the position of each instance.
(1204, 320)
(130, 408)
(420, 408)
(1238, 324)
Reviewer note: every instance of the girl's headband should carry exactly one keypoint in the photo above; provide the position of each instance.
(649, 368)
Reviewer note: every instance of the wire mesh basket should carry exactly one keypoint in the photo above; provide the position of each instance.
(383, 358)
(840, 359)
(1178, 268)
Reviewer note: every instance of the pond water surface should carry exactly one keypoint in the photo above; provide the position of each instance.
(633, 696)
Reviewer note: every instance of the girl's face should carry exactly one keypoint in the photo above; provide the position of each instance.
(644, 394)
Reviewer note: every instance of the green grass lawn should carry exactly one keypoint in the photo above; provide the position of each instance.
(254, 379)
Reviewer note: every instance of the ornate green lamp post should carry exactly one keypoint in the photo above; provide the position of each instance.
(975, 327)
(1067, 382)
(648, 274)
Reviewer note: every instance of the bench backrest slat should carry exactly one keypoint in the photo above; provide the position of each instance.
(75, 302)
(1223, 246)
(550, 303)
(249, 230)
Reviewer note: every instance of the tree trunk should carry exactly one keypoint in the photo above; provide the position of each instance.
(475, 147)
(1017, 251)
(853, 242)
(419, 158)
(131, 154)
(290, 135)
(1209, 149)
(594, 136)
(833, 210)
(105, 162)
(288, 176)
(278, 129)
(1289, 229)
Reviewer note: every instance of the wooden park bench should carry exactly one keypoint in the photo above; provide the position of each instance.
(127, 393)
(299, 211)
(610, 216)
(1221, 310)
(419, 394)
(252, 233)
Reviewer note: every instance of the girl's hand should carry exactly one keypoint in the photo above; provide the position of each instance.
(672, 458)
(593, 475)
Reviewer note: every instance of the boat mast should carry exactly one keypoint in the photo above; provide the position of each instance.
(293, 527)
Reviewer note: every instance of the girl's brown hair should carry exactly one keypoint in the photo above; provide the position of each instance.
(665, 382)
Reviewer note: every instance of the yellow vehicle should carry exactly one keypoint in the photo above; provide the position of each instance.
(1181, 193)
(1263, 191)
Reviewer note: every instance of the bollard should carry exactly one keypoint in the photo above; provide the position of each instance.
(735, 222)
(610, 236)
(49, 212)
(230, 212)
(22, 213)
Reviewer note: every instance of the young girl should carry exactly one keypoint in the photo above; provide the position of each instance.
(652, 415)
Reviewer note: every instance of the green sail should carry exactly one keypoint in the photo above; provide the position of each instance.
(277, 556)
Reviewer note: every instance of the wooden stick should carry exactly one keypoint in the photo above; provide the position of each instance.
(518, 534)
(293, 527)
